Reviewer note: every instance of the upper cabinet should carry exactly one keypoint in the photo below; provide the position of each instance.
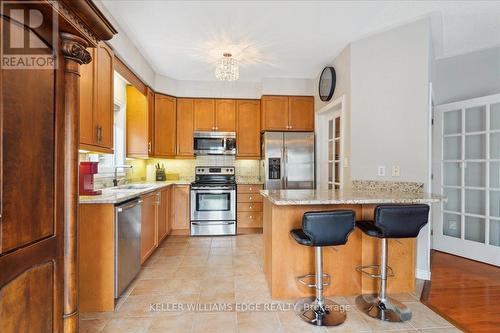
(185, 120)
(140, 113)
(248, 129)
(287, 113)
(301, 113)
(96, 101)
(225, 115)
(215, 115)
(164, 141)
(204, 115)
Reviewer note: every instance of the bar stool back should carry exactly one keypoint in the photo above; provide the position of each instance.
(319, 229)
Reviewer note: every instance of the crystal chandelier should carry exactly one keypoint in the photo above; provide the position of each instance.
(227, 69)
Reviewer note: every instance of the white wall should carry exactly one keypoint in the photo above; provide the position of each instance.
(288, 86)
(466, 76)
(390, 111)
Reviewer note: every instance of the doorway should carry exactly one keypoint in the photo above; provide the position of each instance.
(330, 145)
(467, 171)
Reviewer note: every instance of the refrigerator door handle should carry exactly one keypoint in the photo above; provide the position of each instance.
(286, 167)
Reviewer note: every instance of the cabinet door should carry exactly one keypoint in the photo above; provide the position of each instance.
(163, 214)
(164, 126)
(137, 123)
(274, 113)
(88, 128)
(301, 116)
(105, 99)
(148, 225)
(204, 115)
(185, 127)
(225, 115)
(180, 204)
(248, 128)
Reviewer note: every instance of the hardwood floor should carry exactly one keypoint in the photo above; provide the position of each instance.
(465, 292)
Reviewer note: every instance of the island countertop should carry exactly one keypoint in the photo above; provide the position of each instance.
(347, 197)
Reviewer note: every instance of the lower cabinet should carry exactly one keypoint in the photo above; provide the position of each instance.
(249, 207)
(163, 214)
(148, 224)
(180, 210)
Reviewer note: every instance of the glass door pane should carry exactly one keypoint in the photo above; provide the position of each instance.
(475, 119)
(452, 147)
(452, 225)
(452, 122)
(495, 116)
(474, 229)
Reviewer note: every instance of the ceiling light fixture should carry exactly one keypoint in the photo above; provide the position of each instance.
(227, 68)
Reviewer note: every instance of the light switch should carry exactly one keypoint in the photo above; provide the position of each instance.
(381, 171)
(395, 170)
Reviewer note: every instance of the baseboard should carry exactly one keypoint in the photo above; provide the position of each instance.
(423, 274)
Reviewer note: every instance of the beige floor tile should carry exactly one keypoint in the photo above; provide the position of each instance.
(220, 260)
(354, 323)
(189, 272)
(175, 322)
(128, 325)
(177, 239)
(441, 330)
(404, 297)
(244, 250)
(157, 272)
(194, 261)
(423, 317)
(92, 325)
(96, 315)
(290, 322)
(261, 322)
(197, 251)
(215, 322)
(169, 252)
(150, 287)
(220, 251)
(379, 325)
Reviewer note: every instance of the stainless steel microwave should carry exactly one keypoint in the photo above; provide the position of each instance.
(214, 143)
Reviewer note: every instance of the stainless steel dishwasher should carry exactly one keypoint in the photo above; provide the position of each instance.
(127, 243)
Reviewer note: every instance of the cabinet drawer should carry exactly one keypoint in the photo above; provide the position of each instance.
(252, 188)
(249, 197)
(249, 219)
(249, 207)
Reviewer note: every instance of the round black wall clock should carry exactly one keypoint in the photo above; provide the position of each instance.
(327, 82)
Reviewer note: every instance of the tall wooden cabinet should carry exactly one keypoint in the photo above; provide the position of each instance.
(97, 101)
(164, 141)
(185, 126)
(248, 129)
(163, 215)
(204, 114)
(287, 113)
(215, 115)
(148, 225)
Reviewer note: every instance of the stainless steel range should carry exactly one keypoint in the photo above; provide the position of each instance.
(213, 201)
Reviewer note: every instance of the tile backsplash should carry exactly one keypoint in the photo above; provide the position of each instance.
(144, 170)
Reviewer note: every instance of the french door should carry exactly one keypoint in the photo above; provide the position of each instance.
(467, 172)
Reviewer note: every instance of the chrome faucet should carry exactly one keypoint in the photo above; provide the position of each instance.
(116, 167)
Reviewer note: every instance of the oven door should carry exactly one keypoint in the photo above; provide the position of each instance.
(213, 205)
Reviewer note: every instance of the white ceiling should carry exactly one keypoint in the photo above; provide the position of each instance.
(287, 39)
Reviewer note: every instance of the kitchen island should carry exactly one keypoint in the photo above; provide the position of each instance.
(284, 259)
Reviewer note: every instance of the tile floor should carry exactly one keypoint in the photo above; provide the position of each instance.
(188, 283)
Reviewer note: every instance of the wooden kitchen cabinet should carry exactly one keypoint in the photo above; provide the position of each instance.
(163, 214)
(165, 111)
(185, 108)
(204, 114)
(180, 210)
(140, 122)
(148, 225)
(248, 129)
(274, 113)
(225, 115)
(249, 208)
(97, 101)
(301, 116)
(287, 113)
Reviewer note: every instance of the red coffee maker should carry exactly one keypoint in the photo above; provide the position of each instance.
(87, 172)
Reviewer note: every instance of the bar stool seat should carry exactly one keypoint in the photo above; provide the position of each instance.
(319, 229)
(390, 221)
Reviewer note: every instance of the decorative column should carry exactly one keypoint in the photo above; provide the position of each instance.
(75, 54)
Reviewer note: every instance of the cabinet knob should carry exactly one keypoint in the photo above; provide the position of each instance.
(250, 207)
(149, 146)
(251, 216)
(249, 188)
(250, 198)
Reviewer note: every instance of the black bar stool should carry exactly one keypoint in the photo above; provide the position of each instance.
(390, 221)
(322, 229)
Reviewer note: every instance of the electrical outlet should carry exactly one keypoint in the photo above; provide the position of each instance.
(395, 170)
(381, 171)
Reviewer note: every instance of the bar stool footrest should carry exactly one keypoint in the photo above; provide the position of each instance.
(369, 270)
(302, 279)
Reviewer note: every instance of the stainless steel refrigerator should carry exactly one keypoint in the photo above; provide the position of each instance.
(288, 160)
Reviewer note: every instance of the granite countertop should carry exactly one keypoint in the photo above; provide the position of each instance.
(335, 197)
(114, 195)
